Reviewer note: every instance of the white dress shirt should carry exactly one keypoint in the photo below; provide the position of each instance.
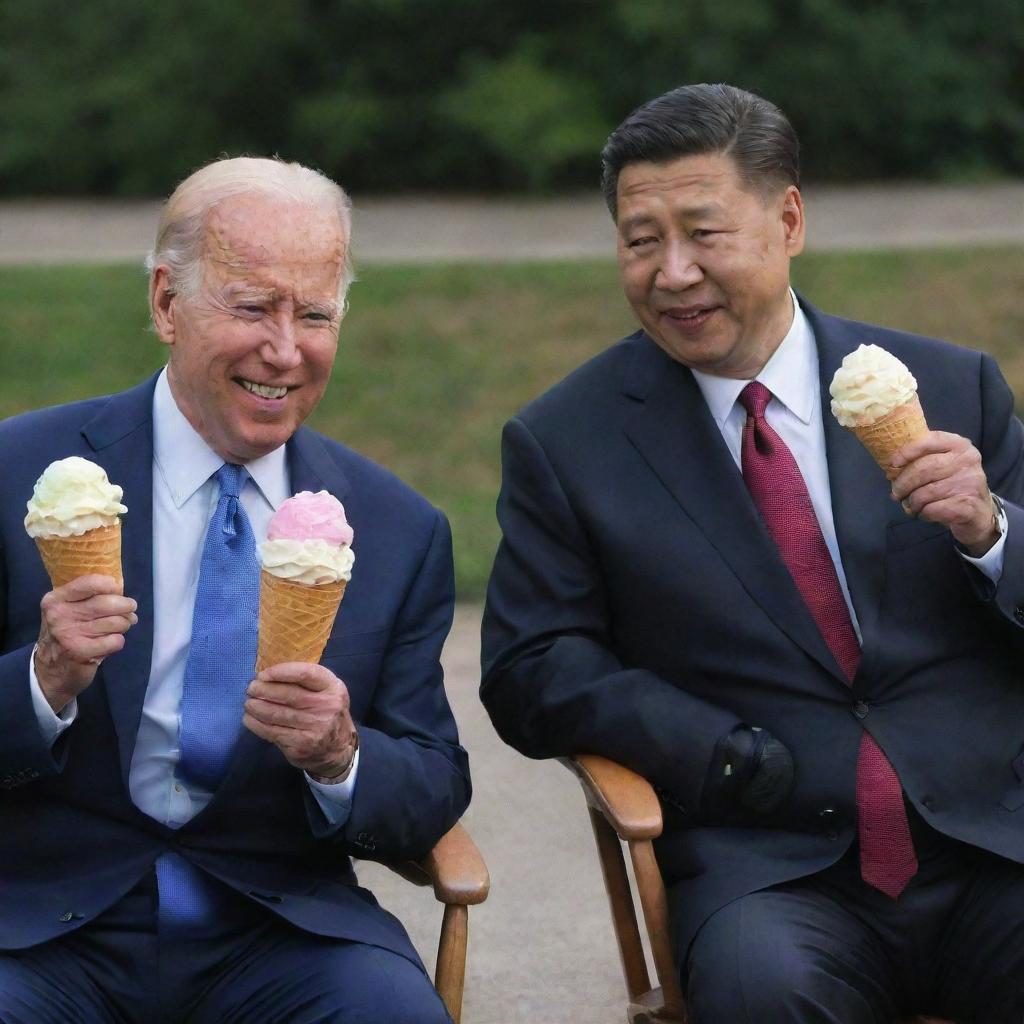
(184, 497)
(795, 414)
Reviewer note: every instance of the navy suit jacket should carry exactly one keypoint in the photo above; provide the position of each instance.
(71, 840)
(639, 609)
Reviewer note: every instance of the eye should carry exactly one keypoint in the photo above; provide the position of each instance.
(316, 316)
(250, 309)
(638, 243)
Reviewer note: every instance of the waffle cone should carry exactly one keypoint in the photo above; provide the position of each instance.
(67, 558)
(295, 619)
(893, 430)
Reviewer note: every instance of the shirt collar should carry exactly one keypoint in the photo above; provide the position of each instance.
(186, 461)
(791, 374)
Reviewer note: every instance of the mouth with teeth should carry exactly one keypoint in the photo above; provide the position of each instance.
(262, 390)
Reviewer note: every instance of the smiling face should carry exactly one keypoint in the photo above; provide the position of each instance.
(704, 261)
(252, 351)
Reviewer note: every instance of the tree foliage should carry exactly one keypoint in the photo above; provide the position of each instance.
(106, 97)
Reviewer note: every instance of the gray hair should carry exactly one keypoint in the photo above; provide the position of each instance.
(179, 235)
(697, 119)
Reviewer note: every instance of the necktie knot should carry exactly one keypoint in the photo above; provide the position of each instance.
(230, 478)
(755, 398)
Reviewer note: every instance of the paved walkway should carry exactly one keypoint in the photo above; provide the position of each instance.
(421, 230)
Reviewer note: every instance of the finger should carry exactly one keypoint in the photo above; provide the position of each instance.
(87, 586)
(257, 728)
(921, 471)
(86, 649)
(93, 607)
(281, 716)
(312, 677)
(934, 442)
(108, 624)
(953, 512)
(291, 694)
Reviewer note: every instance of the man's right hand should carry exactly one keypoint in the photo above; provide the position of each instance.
(82, 623)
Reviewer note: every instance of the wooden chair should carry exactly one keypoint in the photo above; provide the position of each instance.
(459, 876)
(625, 809)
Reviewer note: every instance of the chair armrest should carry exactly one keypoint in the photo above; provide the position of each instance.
(453, 867)
(625, 799)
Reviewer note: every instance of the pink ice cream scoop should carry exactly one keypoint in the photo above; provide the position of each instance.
(309, 516)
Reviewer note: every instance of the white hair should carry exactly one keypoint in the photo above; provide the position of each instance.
(179, 235)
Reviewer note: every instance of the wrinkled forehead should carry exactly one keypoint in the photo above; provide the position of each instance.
(253, 235)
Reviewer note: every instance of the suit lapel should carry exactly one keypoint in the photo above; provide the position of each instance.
(673, 430)
(862, 508)
(121, 436)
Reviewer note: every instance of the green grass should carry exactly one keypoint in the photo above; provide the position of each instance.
(433, 360)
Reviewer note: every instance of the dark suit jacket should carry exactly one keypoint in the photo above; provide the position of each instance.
(72, 841)
(639, 609)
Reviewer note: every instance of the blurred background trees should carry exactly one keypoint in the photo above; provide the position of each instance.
(108, 97)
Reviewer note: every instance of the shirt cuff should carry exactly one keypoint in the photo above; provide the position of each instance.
(51, 725)
(335, 798)
(991, 563)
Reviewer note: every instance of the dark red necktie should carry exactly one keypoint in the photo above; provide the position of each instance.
(887, 859)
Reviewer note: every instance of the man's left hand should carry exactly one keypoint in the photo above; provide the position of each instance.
(941, 480)
(304, 711)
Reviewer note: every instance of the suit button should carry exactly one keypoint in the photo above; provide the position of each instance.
(860, 709)
(829, 818)
(69, 915)
(928, 802)
(1018, 614)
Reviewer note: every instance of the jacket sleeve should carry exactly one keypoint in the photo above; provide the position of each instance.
(25, 754)
(552, 682)
(413, 782)
(1002, 452)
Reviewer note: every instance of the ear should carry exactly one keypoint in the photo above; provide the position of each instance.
(793, 220)
(161, 304)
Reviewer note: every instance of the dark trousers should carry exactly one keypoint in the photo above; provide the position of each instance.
(255, 969)
(831, 950)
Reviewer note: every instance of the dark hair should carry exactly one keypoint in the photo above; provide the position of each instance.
(697, 119)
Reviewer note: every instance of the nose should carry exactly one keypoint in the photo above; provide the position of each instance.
(281, 348)
(679, 268)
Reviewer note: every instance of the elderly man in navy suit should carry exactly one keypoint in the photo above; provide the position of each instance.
(703, 576)
(141, 880)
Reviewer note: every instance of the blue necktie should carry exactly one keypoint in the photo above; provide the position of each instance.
(222, 654)
(220, 663)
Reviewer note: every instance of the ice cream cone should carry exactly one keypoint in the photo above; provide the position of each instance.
(885, 435)
(295, 619)
(95, 551)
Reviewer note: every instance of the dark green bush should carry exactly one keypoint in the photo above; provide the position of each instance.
(109, 97)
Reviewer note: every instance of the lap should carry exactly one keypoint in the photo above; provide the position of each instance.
(258, 969)
(288, 975)
(787, 955)
(829, 949)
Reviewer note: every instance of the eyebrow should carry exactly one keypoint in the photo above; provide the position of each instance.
(700, 212)
(238, 289)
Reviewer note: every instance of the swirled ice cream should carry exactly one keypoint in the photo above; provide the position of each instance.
(74, 517)
(309, 540)
(875, 396)
(307, 563)
(72, 497)
(870, 384)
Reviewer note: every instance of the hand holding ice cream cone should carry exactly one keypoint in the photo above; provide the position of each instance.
(73, 516)
(935, 475)
(303, 708)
